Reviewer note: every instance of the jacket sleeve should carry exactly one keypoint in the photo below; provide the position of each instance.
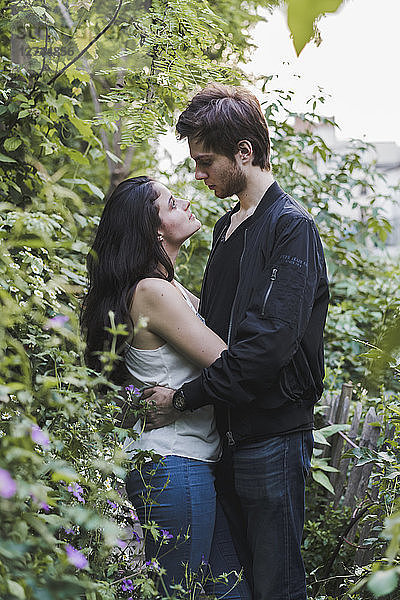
(274, 324)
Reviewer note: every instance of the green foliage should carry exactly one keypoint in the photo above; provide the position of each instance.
(171, 55)
(55, 494)
(59, 448)
(60, 452)
(302, 15)
(323, 526)
(55, 425)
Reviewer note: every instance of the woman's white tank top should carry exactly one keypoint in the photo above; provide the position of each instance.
(194, 434)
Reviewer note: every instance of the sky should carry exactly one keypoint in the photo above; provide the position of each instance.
(357, 63)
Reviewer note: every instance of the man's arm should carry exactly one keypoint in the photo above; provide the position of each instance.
(168, 316)
(271, 331)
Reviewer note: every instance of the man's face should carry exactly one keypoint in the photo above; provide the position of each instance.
(220, 174)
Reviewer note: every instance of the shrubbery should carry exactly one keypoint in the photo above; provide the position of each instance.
(61, 465)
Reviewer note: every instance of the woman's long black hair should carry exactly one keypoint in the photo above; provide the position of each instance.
(126, 249)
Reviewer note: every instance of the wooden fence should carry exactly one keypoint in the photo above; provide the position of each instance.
(351, 482)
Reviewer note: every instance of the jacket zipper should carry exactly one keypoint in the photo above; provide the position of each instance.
(229, 434)
(268, 292)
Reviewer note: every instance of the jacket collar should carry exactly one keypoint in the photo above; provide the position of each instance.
(271, 195)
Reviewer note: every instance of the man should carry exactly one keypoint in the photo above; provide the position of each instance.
(265, 292)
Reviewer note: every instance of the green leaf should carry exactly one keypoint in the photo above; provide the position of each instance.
(24, 113)
(64, 473)
(16, 589)
(382, 582)
(73, 73)
(43, 14)
(321, 464)
(8, 159)
(302, 15)
(113, 157)
(76, 156)
(11, 550)
(319, 438)
(394, 408)
(84, 128)
(12, 144)
(332, 429)
(323, 480)
(93, 188)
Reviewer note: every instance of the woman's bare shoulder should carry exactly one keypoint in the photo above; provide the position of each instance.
(153, 284)
(155, 290)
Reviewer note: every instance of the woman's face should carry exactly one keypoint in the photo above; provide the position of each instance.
(178, 223)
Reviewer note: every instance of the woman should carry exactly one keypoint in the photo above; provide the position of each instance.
(131, 270)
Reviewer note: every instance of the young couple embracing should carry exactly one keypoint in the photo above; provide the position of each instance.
(231, 379)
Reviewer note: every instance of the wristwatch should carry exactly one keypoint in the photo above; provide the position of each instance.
(178, 400)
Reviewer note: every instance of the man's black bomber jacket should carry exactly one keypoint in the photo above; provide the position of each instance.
(269, 379)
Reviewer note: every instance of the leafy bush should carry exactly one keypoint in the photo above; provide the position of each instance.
(63, 520)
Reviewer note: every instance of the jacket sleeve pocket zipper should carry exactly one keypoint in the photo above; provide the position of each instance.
(268, 292)
(231, 439)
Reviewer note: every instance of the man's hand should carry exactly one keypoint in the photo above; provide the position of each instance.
(161, 412)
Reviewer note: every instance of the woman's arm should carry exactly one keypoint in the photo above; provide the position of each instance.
(193, 299)
(169, 317)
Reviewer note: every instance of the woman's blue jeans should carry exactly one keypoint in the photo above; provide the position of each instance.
(179, 495)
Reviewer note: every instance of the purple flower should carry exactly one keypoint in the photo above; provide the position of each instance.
(133, 515)
(112, 504)
(44, 506)
(203, 560)
(56, 322)
(133, 391)
(39, 436)
(68, 531)
(75, 557)
(136, 536)
(121, 544)
(77, 491)
(8, 487)
(127, 585)
(166, 534)
(152, 564)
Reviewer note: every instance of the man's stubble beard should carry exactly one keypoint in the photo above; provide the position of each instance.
(233, 182)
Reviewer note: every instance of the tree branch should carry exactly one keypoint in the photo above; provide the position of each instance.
(120, 171)
(357, 515)
(43, 63)
(128, 158)
(82, 52)
(92, 87)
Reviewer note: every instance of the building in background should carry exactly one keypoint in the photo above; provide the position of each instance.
(386, 156)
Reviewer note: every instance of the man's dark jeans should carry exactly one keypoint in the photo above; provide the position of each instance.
(261, 487)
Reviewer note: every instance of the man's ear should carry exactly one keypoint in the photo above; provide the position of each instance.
(245, 150)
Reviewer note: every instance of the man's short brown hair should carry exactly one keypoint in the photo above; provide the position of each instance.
(220, 116)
